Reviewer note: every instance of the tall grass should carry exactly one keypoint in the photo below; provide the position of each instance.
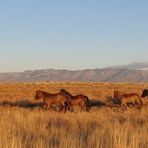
(23, 124)
(23, 128)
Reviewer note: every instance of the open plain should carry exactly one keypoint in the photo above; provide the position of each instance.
(24, 122)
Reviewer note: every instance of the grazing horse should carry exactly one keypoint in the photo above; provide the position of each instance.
(145, 93)
(49, 99)
(133, 98)
(79, 100)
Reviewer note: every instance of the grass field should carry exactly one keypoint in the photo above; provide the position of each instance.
(24, 124)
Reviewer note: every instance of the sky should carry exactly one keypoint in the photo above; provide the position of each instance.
(72, 34)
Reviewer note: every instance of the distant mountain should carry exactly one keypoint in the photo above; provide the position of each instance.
(89, 75)
(134, 66)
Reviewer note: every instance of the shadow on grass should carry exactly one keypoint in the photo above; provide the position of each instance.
(96, 103)
(110, 99)
(32, 105)
(22, 104)
(109, 102)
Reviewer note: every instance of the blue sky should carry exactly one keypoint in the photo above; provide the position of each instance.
(64, 34)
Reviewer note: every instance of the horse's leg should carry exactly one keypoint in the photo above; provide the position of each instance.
(87, 108)
(45, 106)
(124, 106)
(139, 107)
(83, 105)
(70, 107)
(65, 107)
(81, 108)
(61, 107)
(49, 107)
(140, 104)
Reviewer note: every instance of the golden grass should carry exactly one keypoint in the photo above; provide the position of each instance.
(102, 127)
(21, 128)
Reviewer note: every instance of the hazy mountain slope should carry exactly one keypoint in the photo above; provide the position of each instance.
(94, 75)
(133, 66)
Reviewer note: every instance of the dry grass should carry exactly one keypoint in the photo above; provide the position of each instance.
(25, 125)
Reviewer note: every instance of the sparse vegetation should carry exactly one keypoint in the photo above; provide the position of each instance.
(23, 122)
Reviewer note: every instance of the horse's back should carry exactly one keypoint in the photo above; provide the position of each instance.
(55, 98)
(131, 95)
(83, 97)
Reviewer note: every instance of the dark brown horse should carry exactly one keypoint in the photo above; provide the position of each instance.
(79, 100)
(50, 99)
(144, 93)
(133, 98)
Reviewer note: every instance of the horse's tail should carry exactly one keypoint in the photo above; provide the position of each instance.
(88, 102)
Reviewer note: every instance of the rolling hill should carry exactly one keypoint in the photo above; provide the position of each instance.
(88, 75)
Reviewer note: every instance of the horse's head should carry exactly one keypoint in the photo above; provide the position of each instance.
(37, 95)
(145, 93)
(116, 94)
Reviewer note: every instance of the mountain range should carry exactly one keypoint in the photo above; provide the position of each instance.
(137, 72)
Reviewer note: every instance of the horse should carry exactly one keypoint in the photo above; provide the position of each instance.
(124, 98)
(80, 100)
(50, 99)
(144, 93)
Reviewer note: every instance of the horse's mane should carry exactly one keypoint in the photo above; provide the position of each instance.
(74, 97)
(66, 92)
(119, 93)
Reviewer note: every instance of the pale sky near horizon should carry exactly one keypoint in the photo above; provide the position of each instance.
(79, 34)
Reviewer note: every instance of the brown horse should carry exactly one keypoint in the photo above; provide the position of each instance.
(79, 100)
(133, 98)
(50, 99)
